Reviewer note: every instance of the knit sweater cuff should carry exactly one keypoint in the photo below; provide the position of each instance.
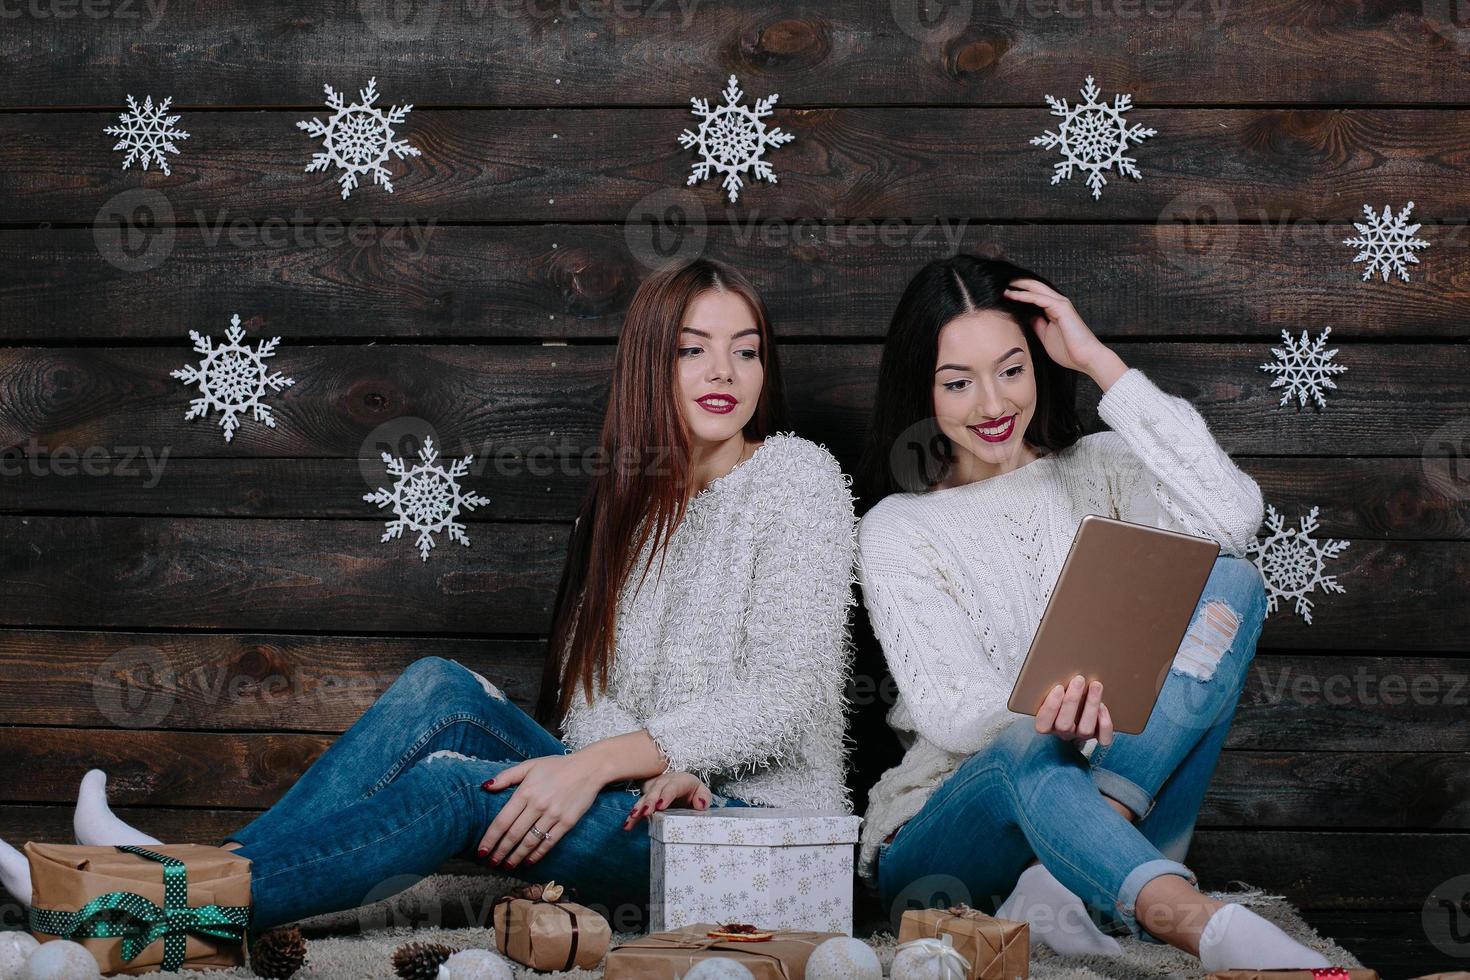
(1128, 399)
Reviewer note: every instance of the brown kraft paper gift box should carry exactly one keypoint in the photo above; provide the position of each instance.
(998, 949)
(65, 877)
(670, 955)
(550, 935)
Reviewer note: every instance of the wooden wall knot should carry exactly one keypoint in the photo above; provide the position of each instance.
(974, 57)
(786, 44)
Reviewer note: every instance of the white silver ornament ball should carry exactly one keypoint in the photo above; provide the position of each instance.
(475, 964)
(719, 968)
(61, 959)
(844, 958)
(15, 948)
(925, 960)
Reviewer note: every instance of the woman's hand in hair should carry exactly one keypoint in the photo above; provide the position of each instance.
(1065, 714)
(662, 792)
(552, 793)
(1069, 341)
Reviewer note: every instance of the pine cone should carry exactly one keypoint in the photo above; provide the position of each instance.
(420, 961)
(278, 954)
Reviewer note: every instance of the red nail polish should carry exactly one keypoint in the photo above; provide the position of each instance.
(484, 851)
(488, 784)
(659, 803)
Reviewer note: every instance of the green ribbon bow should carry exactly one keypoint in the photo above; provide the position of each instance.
(139, 922)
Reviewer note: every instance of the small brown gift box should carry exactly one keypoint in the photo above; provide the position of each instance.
(552, 935)
(998, 949)
(65, 877)
(1314, 973)
(671, 954)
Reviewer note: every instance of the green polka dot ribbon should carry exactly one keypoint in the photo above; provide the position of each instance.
(139, 922)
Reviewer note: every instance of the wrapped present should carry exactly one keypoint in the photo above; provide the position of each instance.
(1312, 973)
(535, 927)
(671, 955)
(143, 909)
(996, 949)
(783, 868)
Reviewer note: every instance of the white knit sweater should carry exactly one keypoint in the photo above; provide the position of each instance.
(955, 580)
(736, 656)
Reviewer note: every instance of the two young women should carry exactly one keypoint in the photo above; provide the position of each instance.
(701, 622)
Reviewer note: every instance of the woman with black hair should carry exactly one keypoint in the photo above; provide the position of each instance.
(975, 477)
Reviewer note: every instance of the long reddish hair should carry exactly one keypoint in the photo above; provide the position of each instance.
(627, 503)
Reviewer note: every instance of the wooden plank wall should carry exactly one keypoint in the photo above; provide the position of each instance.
(482, 299)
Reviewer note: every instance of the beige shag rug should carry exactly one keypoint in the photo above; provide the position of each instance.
(380, 929)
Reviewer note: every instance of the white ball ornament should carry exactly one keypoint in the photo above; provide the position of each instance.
(15, 949)
(61, 959)
(719, 968)
(929, 959)
(844, 958)
(475, 964)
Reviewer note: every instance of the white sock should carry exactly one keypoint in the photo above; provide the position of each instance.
(1056, 916)
(94, 822)
(15, 873)
(1235, 938)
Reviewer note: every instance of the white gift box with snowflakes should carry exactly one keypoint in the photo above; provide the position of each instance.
(772, 868)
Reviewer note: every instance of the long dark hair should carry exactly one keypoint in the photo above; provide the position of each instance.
(905, 449)
(627, 503)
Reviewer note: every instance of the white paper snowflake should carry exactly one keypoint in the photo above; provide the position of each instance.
(426, 498)
(1093, 136)
(732, 140)
(358, 138)
(147, 132)
(232, 378)
(1293, 563)
(1387, 242)
(1304, 368)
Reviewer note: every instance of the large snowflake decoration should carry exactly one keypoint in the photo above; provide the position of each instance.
(1093, 136)
(1304, 368)
(426, 498)
(358, 138)
(1387, 242)
(147, 132)
(732, 139)
(232, 378)
(1293, 563)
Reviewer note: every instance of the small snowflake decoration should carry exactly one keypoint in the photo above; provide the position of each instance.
(1293, 563)
(1093, 136)
(426, 498)
(232, 378)
(1304, 369)
(358, 138)
(732, 139)
(147, 132)
(1387, 242)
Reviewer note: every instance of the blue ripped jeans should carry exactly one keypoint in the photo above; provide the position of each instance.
(399, 793)
(1027, 795)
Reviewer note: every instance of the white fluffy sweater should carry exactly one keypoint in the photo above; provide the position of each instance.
(955, 580)
(736, 656)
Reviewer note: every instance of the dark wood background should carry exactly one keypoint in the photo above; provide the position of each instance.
(484, 296)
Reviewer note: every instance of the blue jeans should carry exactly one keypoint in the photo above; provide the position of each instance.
(399, 793)
(1028, 796)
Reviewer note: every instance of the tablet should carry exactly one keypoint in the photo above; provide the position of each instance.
(1118, 614)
